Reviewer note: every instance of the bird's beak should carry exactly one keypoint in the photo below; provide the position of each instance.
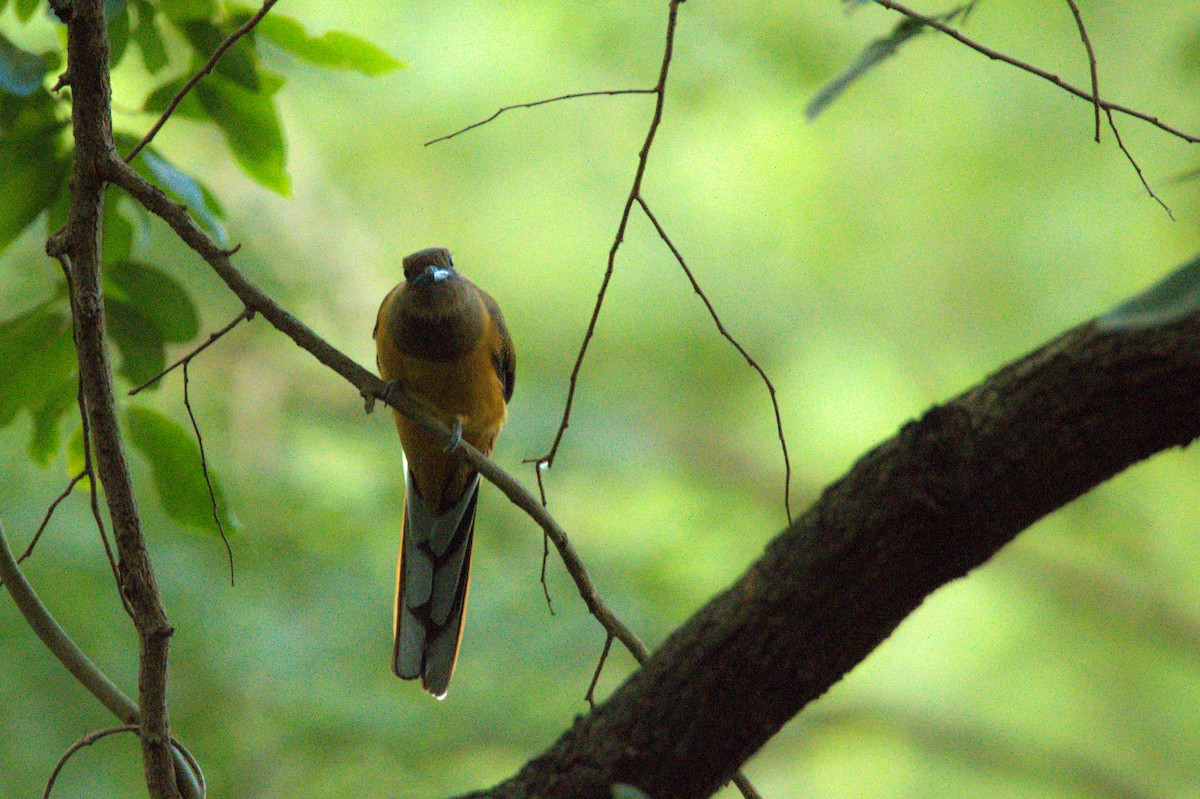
(435, 273)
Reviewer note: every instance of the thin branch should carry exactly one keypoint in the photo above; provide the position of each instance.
(534, 104)
(1128, 155)
(643, 157)
(86, 740)
(200, 73)
(245, 313)
(1091, 55)
(94, 500)
(545, 558)
(212, 494)
(743, 785)
(787, 463)
(1041, 73)
(50, 512)
(590, 697)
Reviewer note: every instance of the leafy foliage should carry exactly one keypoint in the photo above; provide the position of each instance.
(174, 460)
(146, 307)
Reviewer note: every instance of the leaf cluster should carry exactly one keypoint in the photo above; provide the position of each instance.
(146, 307)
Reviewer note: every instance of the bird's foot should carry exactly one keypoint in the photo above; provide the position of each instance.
(455, 436)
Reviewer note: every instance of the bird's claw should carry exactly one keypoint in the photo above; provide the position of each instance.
(455, 436)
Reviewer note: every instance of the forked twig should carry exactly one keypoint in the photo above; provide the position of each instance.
(245, 313)
(787, 463)
(212, 494)
(996, 55)
(643, 158)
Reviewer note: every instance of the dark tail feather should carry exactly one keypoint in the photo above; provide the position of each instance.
(431, 587)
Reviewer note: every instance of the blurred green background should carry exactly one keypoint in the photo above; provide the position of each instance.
(946, 216)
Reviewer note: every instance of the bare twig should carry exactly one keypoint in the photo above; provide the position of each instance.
(643, 158)
(590, 697)
(92, 737)
(1091, 55)
(200, 73)
(86, 740)
(1129, 156)
(534, 104)
(787, 463)
(50, 512)
(1041, 73)
(245, 313)
(94, 501)
(212, 494)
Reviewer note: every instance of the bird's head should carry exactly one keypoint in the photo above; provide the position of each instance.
(429, 267)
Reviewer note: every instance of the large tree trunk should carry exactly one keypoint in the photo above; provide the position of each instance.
(919, 511)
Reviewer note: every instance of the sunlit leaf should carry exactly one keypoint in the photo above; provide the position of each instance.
(21, 72)
(238, 63)
(183, 10)
(175, 468)
(118, 231)
(158, 296)
(251, 127)
(149, 38)
(25, 9)
(333, 49)
(137, 339)
(1171, 299)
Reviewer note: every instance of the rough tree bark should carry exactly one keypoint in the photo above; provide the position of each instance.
(79, 247)
(937, 500)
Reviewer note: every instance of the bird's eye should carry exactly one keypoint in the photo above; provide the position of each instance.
(450, 259)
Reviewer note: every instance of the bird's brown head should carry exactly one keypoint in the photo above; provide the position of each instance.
(434, 264)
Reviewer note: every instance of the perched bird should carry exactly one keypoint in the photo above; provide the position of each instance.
(443, 340)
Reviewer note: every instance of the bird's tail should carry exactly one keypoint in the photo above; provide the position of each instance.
(431, 587)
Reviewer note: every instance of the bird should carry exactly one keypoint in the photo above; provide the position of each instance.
(443, 340)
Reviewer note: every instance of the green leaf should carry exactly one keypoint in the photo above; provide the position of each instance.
(251, 127)
(117, 15)
(32, 170)
(332, 49)
(21, 72)
(157, 296)
(25, 9)
(149, 38)
(138, 340)
(239, 63)
(158, 100)
(175, 468)
(43, 443)
(1170, 300)
(118, 231)
(37, 368)
(179, 11)
(186, 189)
